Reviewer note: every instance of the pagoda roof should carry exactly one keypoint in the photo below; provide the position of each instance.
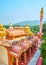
(16, 32)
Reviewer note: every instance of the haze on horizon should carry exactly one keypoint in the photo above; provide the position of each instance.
(21, 10)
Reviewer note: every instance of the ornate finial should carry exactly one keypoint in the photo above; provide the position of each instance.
(41, 13)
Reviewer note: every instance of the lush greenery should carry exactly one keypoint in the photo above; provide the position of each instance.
(43, 52)
(44, 60)
(35, 29)
(44, 27)
(7, 26)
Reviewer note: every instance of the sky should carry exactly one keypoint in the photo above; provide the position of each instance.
(21, 10)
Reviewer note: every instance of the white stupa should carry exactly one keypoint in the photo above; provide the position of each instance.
(10, 26)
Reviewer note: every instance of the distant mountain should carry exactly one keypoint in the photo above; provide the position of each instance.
(30, 23)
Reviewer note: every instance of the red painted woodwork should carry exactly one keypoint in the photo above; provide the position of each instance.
(39, 61)
(17, 49)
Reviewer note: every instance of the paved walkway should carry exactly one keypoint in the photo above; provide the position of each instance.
(35, 58)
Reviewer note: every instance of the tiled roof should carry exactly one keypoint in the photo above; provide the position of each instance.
(16, 32)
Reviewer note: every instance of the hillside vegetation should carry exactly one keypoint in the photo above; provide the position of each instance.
(34, 29)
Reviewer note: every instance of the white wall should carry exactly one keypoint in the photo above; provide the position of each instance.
(3, 55)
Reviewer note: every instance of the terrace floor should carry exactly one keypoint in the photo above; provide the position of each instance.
(35, 58)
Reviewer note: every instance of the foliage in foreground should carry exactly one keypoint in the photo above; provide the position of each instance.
(44, 61)
(43, 50)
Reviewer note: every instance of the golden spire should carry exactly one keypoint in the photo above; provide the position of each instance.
(2, 31)
(41, 18)
(41, 13)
